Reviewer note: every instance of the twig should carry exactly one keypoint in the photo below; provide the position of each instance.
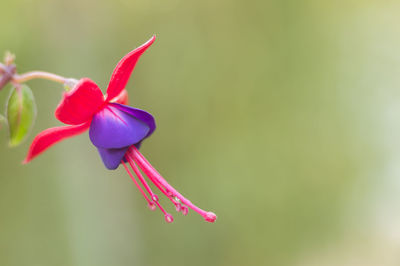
(38, 75)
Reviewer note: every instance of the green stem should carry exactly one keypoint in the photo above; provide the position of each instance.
(38, 75)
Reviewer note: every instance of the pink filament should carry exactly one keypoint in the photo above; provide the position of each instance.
(159, 181)
(154, 197)
(178, 205)
(151, 204)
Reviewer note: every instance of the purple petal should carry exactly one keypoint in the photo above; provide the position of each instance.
(112, 157)
(114, 128)
(139, 114)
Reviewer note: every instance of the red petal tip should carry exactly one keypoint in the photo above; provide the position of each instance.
(51, 136)
(124, 68)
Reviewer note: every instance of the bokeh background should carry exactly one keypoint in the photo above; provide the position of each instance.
(283, 117)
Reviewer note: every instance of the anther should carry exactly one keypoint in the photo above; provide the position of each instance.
(178, 207)
(169, 218)
(154, 197)
(184, 210)
(166, 188)
(152, 206)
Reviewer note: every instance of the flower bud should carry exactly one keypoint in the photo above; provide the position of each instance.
(21, 114)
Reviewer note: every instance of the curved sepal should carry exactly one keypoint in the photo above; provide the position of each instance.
(51, 136)
(80, 104)
(124, 68)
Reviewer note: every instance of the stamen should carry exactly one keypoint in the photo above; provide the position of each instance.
(178, 207)
(184, 210)
(155, 182)
(154, 197)
(169, 195)
(169, 218)
(140, 177)
(151, 204)
(154, 175)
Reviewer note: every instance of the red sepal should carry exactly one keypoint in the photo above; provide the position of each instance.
(124, 68)
(51, 136)
(79, 105)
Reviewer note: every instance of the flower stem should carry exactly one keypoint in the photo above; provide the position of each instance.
(7, 72)
(38, 75)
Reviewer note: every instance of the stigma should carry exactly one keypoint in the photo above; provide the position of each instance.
(136, 164)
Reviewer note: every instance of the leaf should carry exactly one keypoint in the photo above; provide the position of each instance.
(21, 114)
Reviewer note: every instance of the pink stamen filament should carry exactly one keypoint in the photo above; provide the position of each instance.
(178, 205)
(141, 178)
(151, 203)
(154, 197)
(169, 195)
(154, 175)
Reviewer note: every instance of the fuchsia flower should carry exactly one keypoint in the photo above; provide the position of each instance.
(117, 131)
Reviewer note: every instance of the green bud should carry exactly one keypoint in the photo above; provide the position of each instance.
(21, 114)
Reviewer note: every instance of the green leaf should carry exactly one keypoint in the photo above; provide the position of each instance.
(21, 114)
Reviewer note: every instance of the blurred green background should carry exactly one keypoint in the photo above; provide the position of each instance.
(282, 117)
